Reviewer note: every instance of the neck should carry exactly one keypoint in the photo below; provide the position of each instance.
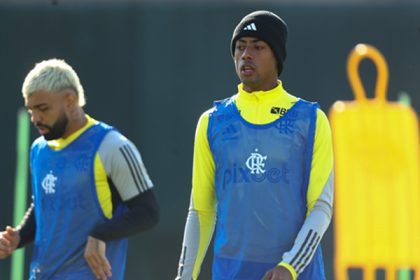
(77, 120)
(250, 87)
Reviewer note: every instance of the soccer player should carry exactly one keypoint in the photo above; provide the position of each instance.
(90, 187)
(262, 171)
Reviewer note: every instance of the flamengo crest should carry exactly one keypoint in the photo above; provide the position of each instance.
(48, 183)
(256, 163)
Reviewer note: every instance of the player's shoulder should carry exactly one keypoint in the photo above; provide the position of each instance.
(322, 123)
(114, 140)
(321, 116)
(217, 105)
(205, 115)
(38, 142)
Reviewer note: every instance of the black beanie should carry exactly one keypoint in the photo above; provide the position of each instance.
(267, 27)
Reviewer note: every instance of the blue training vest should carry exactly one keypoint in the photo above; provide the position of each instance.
(261, 181)
(67, 208)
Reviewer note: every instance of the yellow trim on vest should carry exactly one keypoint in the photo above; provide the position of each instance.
(103, 189)
(59, 144)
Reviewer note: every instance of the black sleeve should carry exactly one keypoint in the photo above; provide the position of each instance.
(27, 227)
(142, 214)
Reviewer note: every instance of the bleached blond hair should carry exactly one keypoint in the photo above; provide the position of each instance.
(53, 75)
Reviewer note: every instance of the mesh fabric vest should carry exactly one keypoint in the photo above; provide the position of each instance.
(67, 208)
(261, 181)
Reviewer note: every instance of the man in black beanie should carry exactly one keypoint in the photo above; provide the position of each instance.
(262, 170)
(271, 29)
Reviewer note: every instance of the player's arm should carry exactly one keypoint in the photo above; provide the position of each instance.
(319, 199)
(202, 210)
(13, 238)
(27, 227)
(119, 164)
(130, 184)
(142, 214)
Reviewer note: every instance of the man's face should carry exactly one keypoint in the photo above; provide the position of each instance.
(255, 64)
(48, 113)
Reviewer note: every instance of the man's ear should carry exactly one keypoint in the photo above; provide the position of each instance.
(71, 99)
